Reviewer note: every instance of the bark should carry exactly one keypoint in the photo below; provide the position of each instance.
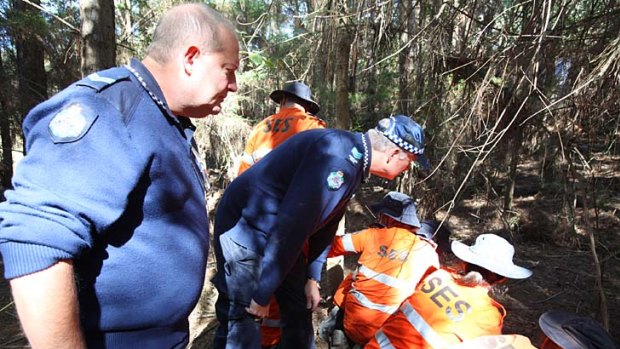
(515, 148)
(6, 167)
(343, 114)
(407, 20)
(97, 31)
(32, 79)
(126, 24)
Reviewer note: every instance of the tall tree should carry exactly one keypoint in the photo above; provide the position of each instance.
(27, 32)
(125, 24)
(405, 62)
(341, 71)
(98, 37)
(6, 167)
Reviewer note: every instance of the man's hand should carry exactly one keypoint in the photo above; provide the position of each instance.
(257, 310)
(312, 294)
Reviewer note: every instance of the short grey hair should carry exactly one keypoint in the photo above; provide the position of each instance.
(186, 23)
(379, 142)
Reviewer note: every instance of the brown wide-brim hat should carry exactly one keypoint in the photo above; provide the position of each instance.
(299, 90)
(572, 331)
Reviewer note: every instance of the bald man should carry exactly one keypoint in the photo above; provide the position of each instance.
(105, 236)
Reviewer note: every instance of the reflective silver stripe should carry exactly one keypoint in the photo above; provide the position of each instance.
(99, 78)
(388, 309)
(427, 332)
(383, 278)
(272, 323)
(260, 153)
(347, 243)
(383, 340)
(247, 158)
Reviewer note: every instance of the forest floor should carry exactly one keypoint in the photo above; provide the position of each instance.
(564, 268)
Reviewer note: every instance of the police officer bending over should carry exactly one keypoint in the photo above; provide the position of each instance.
(105, 236)
(297, 193)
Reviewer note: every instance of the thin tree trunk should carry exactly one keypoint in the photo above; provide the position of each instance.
(515, 149)
(98, 38)
(6, 167)
(126, 27)
(32, 79)
(343, 114)
(407, 20)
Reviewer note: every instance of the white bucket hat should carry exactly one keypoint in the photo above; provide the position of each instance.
(493, 253)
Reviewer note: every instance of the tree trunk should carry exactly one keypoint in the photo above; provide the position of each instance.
(343, 114)
(97, 31)
(515, 144)
(126, 24)
(32, 80)
(6, 167)
(407, 20)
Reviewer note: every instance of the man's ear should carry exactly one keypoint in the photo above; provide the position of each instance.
(391, 153)
(189, 59)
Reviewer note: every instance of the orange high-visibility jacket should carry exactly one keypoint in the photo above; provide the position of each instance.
(505, 341)
(440, 313)
(273, 130)
(392, 261)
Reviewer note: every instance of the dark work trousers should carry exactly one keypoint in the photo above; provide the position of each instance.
(235, 279)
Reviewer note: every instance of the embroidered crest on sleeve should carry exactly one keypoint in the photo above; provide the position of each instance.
(335, 180)
(71, 123)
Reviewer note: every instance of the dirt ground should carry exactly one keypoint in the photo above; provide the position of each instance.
(564, 269)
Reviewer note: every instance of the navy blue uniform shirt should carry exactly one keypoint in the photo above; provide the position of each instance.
(298, 192)
(110, 181)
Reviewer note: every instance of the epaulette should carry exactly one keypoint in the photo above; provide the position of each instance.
(102, 79)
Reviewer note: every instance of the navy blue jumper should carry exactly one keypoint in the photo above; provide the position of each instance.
(124, 199)
(297, 193)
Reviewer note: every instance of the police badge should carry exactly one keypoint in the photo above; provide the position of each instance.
(335, 180)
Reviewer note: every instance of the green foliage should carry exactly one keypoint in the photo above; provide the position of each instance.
(26, 23)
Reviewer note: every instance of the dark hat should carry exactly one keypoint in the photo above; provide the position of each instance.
(299, 90)
(572, 331)
(399, 206)
(428, 230)
(407, 134)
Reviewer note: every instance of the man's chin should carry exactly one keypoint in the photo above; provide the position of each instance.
(210, 111)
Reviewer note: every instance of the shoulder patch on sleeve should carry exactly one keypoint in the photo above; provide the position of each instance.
(71, 123)
(335, 180)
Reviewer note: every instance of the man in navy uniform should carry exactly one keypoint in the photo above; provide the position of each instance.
(296, 194)
(105, 236)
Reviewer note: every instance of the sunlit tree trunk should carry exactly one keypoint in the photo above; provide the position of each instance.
(124, 54)
(406, 26)
(98, 38)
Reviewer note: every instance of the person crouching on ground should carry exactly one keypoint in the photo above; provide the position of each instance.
(448, 308)
(392, 260)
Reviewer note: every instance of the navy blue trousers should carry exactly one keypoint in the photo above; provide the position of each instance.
(237, 273)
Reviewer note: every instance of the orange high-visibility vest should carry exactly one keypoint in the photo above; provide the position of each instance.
(392, 261)
(440, 313)
(505, 341)
(273, 130)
